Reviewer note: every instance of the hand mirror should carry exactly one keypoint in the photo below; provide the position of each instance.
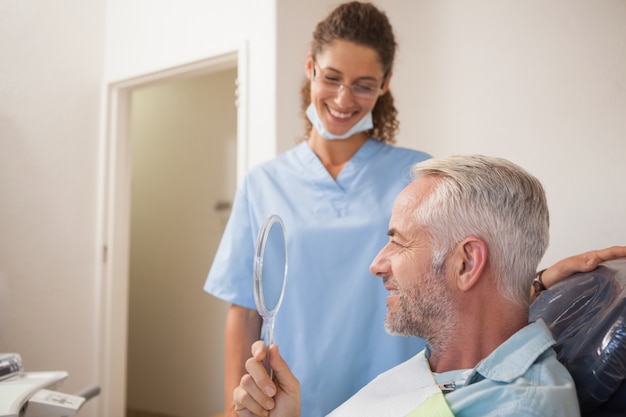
(270, 275)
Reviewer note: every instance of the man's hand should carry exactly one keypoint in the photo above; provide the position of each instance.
(258, 395)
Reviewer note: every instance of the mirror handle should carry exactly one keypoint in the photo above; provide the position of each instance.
(267, 334)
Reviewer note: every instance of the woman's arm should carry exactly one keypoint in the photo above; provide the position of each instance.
(579, 263)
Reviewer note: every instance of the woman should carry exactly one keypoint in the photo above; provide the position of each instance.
(334, 192)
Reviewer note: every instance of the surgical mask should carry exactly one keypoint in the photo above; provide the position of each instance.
(362, 125)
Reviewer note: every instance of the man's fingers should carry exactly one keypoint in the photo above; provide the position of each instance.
(256, 369)
(282, 374)
(248, 396)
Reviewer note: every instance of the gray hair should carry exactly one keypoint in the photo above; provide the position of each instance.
(495, 200)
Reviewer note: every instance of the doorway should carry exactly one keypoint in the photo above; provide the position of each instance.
(183, 147)
(172, 159)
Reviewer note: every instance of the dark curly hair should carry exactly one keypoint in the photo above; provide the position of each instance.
(365, 25)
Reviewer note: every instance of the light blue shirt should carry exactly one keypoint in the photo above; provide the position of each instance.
(330, 327)
(522, 377)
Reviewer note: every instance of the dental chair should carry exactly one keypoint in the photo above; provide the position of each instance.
(587, 315)
(33, 394)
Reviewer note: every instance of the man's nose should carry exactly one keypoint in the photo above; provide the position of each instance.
(380, 264)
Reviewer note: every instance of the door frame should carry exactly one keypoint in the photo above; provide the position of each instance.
(114, 213)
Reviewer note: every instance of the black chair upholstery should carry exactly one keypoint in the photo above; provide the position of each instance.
(587, 315)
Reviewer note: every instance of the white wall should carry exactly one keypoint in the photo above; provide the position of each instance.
(51, 60)
(144, 36)
(542, 83)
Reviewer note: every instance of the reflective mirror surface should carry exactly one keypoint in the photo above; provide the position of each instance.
(270, 274)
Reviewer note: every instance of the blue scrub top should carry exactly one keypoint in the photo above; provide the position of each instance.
(330, 327)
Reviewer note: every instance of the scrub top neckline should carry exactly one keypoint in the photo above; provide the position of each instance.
(345, 179)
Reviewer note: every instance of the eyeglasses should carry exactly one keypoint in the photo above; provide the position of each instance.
(361, 89)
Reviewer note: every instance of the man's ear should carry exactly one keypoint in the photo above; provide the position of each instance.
(472, 254)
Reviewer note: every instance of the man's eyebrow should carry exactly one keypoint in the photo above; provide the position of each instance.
(393, 232)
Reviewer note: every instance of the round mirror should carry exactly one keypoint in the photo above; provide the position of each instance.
(270, 274)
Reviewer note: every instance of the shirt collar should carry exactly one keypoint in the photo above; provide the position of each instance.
(514, 357)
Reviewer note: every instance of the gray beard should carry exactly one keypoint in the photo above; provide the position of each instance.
(426, 311)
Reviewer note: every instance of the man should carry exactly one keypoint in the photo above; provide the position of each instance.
(465, 239)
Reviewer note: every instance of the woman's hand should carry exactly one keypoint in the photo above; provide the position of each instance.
(579, 263)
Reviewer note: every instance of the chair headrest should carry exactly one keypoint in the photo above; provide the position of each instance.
(587, 316)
